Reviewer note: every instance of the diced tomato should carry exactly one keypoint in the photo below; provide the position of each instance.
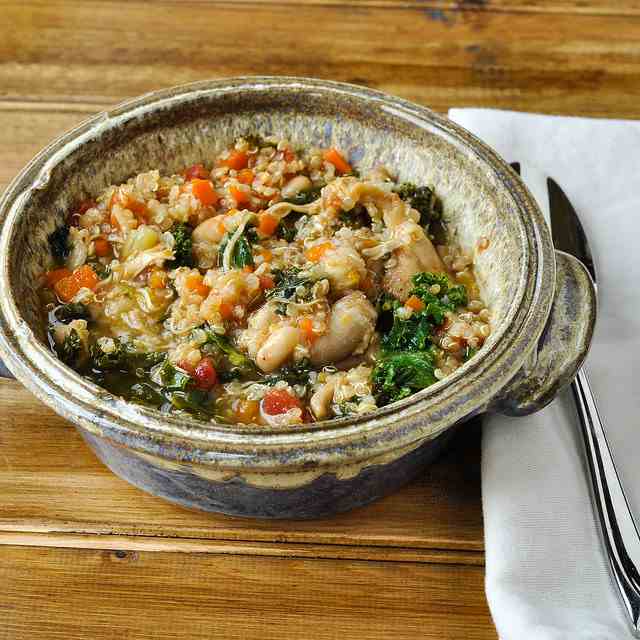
(196, 171)
(267, 224)
(279, 401)
(239, 195)
(237, 160)
(266, 282)
(245, 176)
(204, 191)
(102, 247)
(226, 310)
(205, 374)
(335, 158)
(85, 205)
(414, 303)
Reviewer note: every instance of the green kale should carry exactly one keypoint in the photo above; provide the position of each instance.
(102, 271)
(123, 357)
(305, 197)
(70, 351)
(242, 255)
(59, 243)
(355, 218)
(399, 375)
(71, 311)
(183, 245)
(295, 374)
(469, 352)
(291, 285)
(286, 229)
(174, 379)
(414, 333)
(251, 234)
(422, 199)
(230, 363)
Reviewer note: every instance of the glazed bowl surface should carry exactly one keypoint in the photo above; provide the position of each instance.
(542, 302)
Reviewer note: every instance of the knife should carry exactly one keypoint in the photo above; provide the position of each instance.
(619, 530)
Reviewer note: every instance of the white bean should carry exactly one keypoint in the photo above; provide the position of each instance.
(295, 186)
(321, 400)
(277, 348)
(209, 230)
(351, 326)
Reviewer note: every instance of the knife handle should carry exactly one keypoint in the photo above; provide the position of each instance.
(618, 526)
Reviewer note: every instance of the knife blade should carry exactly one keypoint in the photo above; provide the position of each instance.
(566, 229)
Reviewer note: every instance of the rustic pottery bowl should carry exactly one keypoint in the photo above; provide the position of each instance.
(542, 301)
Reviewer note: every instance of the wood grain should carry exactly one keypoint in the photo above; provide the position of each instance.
(50, 482)
(98, 52)
(144, 595)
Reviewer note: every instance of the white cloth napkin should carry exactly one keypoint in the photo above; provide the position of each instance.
(547, 574)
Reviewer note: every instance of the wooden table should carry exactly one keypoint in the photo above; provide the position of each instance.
(83, 554)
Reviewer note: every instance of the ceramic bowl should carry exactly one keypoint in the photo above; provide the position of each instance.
(542, 301)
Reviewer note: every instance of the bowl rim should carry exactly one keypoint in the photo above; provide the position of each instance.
(424, 414)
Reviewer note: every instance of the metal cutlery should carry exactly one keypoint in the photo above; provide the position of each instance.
(620, 533)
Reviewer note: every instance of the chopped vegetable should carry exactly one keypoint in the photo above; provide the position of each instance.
(422, 199)
(205, 374)
(59, 243)
(240, 195)
(183, 245)
(231, 363)
(194, 282)
(400, 374)
(335, 158)
(290, 285)
(295, 374)
(54, 276)
(245, 176)
(72, 311)
(204, 191)
(70, 351)
(241, 256)
(305, 197)
(316, 252)
(196, 171)
(102, 247)
(278, 401)
(82, 277)
(236, 160)
(267, 224)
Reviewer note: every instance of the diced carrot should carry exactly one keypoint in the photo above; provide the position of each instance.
(306, 326)
(335, 158)
(139, 209)
(194, 283)
(289, 155)
(226, 310)
(102, 247)
(267, 282)
(315, 253)
(157, 279)
(237, 160)
(267, 256)
(248, 268)
(85, 276)
(57, 274)
(204, 191)
(245, 176)
(414, 303)
(268, 224)
(240, 196)
(196, 171)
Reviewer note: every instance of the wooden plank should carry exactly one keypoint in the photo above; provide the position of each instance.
(144, 595)
(50, 482)
(277, 549)
(106, 51)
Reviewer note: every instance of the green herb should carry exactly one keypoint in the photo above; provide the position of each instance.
(291, 285)
(241, 256)
(183, 245)
(59, 243)
(70, 351)
(124, 357)
(174, 379)
(231, 364)
(296, 374)
(102, 271)
(305, 197)
(469, 352)
(399, 375)
(422, 199)
(355, 218)
(286, 229)
(449, 295)
(71, 311)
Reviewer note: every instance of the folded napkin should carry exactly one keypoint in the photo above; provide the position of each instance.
(547, 575)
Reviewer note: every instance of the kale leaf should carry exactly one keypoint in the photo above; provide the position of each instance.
(242, 255)
(305, 197)
(422, 199)
(70, 351)
(124, 357)
(286, 229)
(288, 283)
(400, 374)
(59, 243)
(71, 311)
(230, 363)
(183, 245)
(295, 374)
